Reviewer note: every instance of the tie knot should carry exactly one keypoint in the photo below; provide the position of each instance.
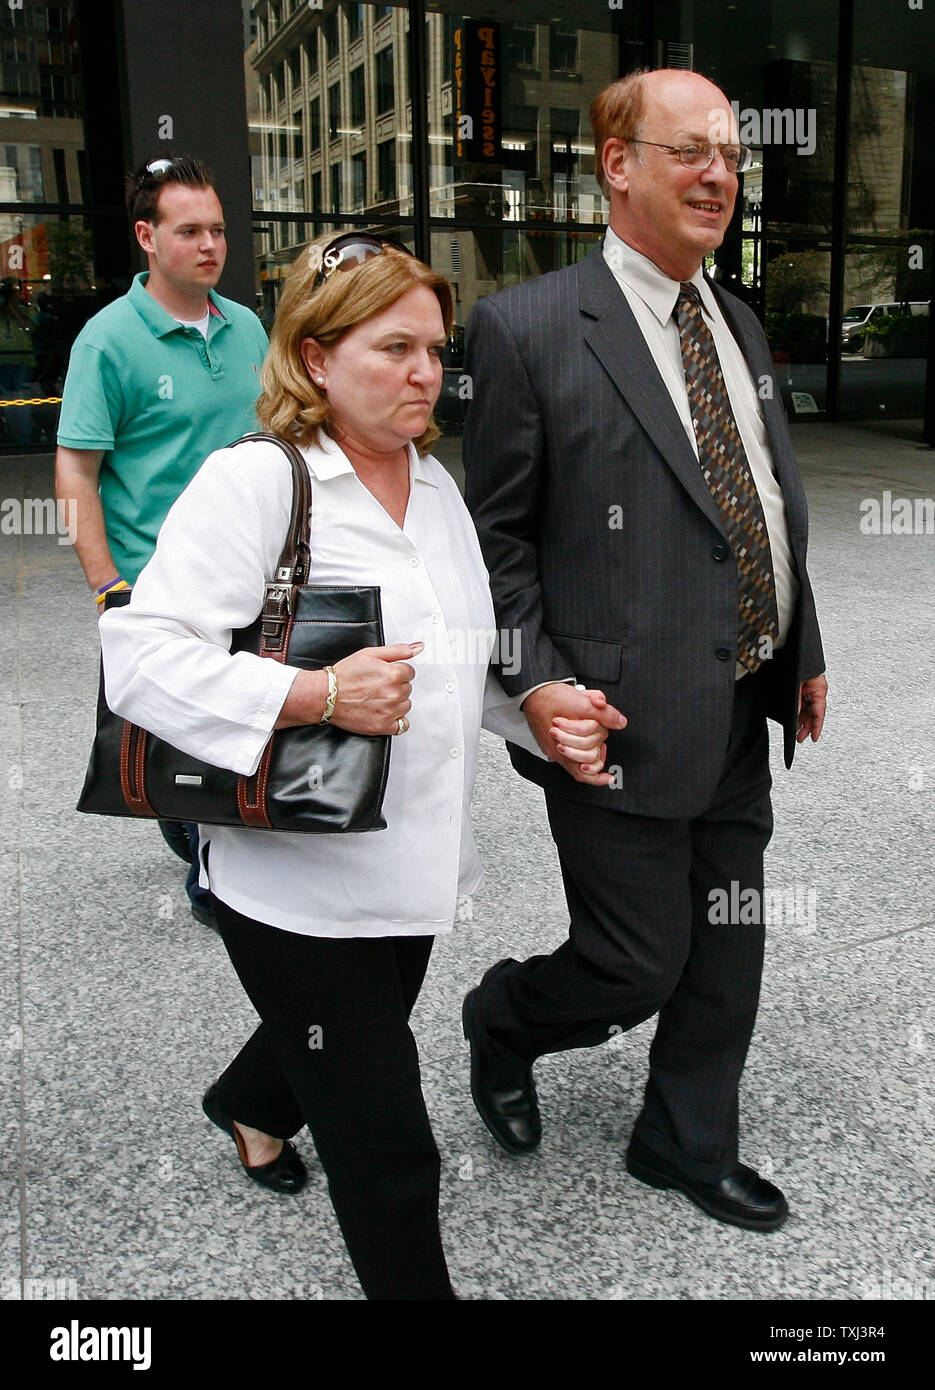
(688, 293)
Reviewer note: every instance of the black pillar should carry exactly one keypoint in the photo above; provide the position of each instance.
(928, 423)
(106, 127)
(842, 130)
(419, 124)
(186, 95)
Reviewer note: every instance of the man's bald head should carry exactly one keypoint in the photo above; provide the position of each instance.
(672, 212)
(623, 109)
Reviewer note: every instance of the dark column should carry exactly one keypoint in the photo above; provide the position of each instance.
(922, 214)
(106, 139)
(184, 65)
(418, 105)
(928, 424)
(842, 124)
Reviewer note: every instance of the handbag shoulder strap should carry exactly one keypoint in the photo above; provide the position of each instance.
(293, 564)
(295, 559)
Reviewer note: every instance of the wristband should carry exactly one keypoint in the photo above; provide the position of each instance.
(113, 586)
(332, 695)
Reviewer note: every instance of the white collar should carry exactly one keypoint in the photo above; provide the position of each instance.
(657, 290)
(326, 459)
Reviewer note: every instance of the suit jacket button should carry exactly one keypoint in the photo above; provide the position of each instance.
(720, 552)
(722, 654)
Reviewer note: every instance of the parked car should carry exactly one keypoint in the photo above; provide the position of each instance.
(857, 318)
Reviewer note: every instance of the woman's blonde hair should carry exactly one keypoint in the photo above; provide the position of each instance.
(291, 404)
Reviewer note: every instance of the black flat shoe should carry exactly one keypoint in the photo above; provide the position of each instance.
(285, 1173)
(743, 1198)
(502, 1087)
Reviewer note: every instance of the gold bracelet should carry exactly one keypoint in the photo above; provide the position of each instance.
(332, 695)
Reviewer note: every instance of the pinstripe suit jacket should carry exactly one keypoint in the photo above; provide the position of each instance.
(571, 428)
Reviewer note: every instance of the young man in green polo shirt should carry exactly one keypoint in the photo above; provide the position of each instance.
(156, 381)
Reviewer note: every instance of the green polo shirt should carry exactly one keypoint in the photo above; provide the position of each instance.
(157, 398)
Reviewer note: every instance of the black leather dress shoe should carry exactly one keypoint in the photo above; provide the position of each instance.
(501, 1086)
(285, 1173)
(743, 1198)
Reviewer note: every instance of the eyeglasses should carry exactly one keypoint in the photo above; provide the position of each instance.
(350, 250)
(738, 158)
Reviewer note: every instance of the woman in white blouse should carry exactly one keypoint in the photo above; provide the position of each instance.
(331, 934)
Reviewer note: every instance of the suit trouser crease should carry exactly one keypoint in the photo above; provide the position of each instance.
(334, 1051)
(641, 942)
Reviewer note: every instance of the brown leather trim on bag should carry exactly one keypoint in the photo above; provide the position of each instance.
(251, 791)
(251, 794)
(133, 769)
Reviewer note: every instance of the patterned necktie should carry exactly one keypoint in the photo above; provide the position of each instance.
(727, 473)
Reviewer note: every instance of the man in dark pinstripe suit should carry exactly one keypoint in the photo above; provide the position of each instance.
(633, 484)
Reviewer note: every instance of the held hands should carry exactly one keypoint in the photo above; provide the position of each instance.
(813, 697)
(570, 726)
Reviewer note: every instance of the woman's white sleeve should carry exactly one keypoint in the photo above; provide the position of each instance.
(167, 660)
(502, 715)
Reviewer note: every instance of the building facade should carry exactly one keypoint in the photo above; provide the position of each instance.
(463, 131)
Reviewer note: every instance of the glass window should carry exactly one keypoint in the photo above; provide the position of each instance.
(358, 115)
(519, 137)
(386, 171)
(311, 49)
(21, 174)
(358, 180)
(563, 49)
(329, 29)
(354, 16)
(537, 162)
(336, 187)
(386, 97)
(521, 46)
(314, 124)
(334, 110)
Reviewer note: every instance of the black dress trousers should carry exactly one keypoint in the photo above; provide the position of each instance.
(335, 1051)
(642, 941)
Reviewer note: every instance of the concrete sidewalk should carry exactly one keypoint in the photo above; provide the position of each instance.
(118, 1009)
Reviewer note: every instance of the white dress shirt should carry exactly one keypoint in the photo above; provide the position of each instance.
(169, 669)
(652, 297)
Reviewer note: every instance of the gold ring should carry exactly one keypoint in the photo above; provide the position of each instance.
(402, 725)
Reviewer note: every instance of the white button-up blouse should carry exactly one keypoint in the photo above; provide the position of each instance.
(168, 668)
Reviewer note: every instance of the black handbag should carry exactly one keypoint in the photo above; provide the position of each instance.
(316, 778)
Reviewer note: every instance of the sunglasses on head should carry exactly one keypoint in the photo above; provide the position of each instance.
(155, 170)
(350, 250)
